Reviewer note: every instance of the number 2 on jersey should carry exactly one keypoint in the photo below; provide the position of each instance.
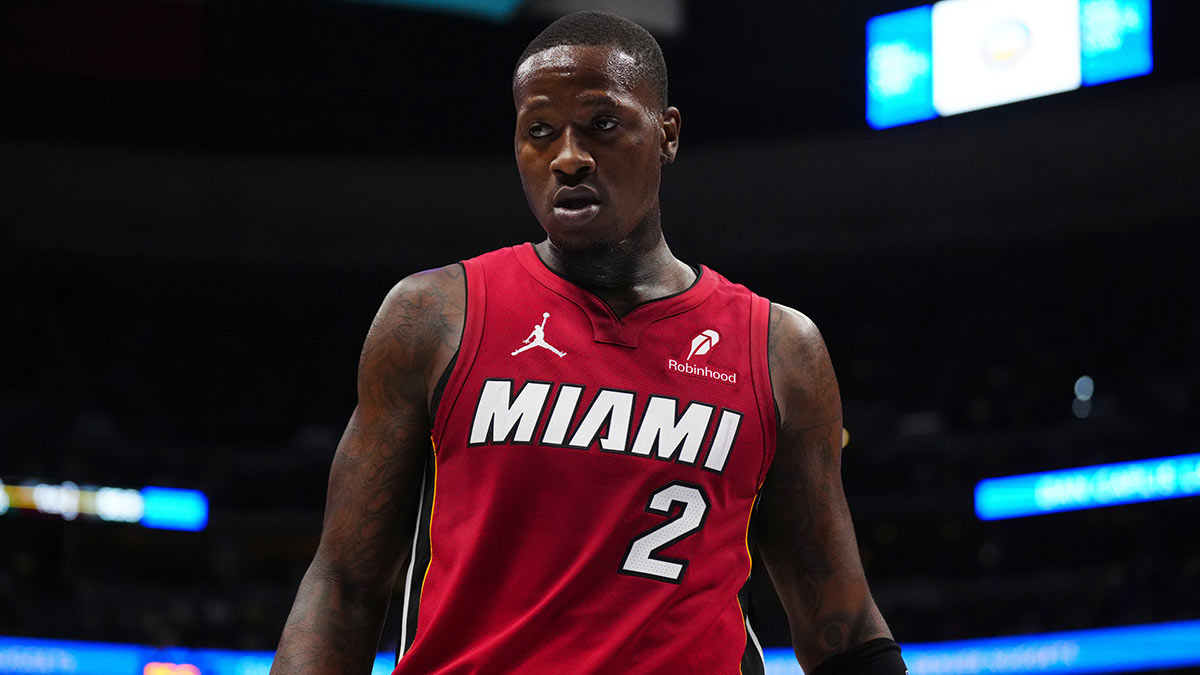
(640, 559)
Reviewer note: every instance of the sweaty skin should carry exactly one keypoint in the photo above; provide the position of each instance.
(589, 123)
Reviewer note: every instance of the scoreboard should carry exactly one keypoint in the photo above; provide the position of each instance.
(956, 56)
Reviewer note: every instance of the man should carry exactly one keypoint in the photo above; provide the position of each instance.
(587, 502)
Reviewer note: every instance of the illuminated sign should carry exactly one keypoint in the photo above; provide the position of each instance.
(155, 507)
(956, 56)
(495, 10)
(1088, 487)
(156, 668)
(991, 52)
(900, 68)
(174, 509)
(1101, 650)
(27, 656)
(1115, 38)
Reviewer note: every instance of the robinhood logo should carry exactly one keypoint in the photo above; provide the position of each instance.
(702, 344)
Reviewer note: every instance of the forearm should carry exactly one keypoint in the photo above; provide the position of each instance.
(880, 656)
(333, 628)
(806, 534)
(833, 618)
(845, 634)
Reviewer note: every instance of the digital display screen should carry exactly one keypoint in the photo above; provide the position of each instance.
(991, 52)
(1088, 487)
(495, 10)
(956, 56)
(1101, 650)
(900, 68)
(155, 507)
(70, 657)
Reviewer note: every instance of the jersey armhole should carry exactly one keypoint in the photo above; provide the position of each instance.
(460, 364)
(440, 387)
(760, 374)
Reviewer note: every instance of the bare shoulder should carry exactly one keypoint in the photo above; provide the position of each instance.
(793, 334)
(416, 331)
(423, 307)
(801, 372)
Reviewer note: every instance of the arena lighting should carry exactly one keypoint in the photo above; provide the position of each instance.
(1088, 487)
(956, 56)
(155, 507)
(494, 10)
(25, 656)
(1101, 650)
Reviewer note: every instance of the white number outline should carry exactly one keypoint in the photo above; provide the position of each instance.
(668, 533)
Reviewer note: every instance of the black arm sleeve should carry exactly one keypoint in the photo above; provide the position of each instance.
(876, 657)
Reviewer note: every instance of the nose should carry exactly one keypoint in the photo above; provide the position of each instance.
(572, 161)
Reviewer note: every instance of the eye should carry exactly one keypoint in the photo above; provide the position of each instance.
(604, 124)
(539, 130)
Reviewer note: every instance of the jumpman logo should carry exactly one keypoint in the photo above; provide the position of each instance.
(538, 338)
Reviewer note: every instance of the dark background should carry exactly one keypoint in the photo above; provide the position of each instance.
(203, 203)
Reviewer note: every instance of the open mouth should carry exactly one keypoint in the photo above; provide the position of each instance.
(574, 213)
(576, 205)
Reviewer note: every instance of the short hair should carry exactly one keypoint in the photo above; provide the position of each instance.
(601, 29)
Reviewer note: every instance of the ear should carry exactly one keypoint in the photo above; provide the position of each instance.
(670, 135)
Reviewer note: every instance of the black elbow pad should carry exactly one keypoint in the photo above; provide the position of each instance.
(876, 657)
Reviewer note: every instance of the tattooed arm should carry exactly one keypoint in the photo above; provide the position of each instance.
(370, 508)
(805, 534)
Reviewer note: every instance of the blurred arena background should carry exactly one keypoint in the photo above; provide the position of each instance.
(203, 203)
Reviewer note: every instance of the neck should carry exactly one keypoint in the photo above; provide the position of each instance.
(624, 274)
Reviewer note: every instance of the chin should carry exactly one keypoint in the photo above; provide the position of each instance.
(577, 245)
(587, 240)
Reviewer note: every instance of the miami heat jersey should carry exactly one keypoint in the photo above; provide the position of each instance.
(593, 476)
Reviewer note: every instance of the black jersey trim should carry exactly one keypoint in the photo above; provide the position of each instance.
(440, 387)
(418, 564)
(753, 662)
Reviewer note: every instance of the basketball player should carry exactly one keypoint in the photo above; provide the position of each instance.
(607, 425)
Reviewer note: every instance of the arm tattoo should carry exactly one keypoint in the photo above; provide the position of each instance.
(807, 538)
(338, 615)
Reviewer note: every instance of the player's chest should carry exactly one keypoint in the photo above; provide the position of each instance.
(682, 394)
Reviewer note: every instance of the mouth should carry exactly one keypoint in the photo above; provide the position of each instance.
(576, 205)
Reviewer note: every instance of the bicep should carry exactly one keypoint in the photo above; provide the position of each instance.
(371, 500)
(802, 515)
(802, 511)
(806, 535)
(375, 478)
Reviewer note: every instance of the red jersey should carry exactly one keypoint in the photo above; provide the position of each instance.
(592, 481)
